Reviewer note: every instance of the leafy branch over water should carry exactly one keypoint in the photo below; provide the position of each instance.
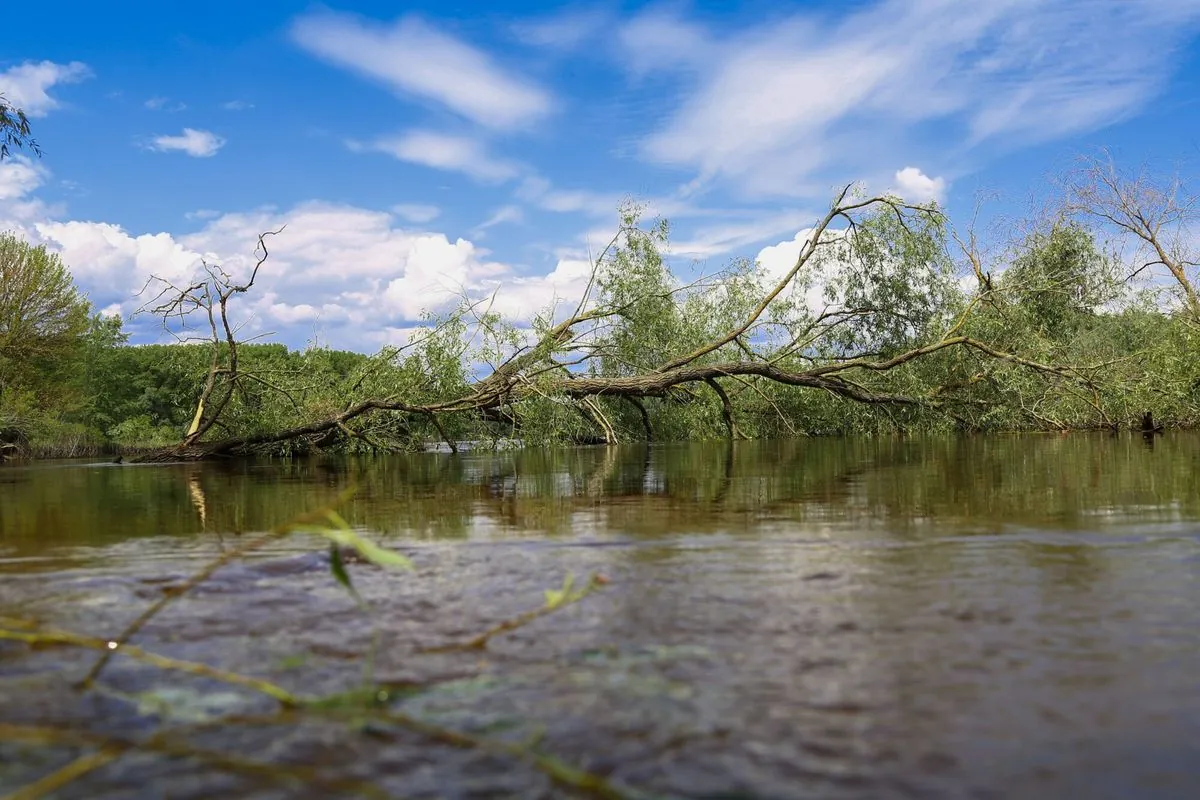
(556, 599)
(366, 709)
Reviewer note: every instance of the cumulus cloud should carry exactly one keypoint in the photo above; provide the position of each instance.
(917, 187)
(446, 151)
(358, 276)
(196, 143)
(415, 59)
(777, 261)
(18, 177)
(26, 86)
(769, 109)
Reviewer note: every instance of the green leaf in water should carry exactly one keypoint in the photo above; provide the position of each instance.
(370, 551)
(556, 597)
(338, 568)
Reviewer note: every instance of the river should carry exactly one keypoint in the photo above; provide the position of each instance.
(989, 617)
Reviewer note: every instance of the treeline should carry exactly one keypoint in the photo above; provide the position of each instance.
(70, 384)
(1087, 317)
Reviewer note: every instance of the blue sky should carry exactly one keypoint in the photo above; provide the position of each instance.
(422, 151)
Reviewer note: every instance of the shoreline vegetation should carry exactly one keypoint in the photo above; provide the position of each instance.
(918, 332)
(891, 320)
(1067, 326)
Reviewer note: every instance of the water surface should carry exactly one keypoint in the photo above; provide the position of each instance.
(962, 617)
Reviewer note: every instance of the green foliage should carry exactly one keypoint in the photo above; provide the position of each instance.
(43, 318)
(887, 285)
(1060, 279)
(896, 275)
(637, 287)
(15, 133)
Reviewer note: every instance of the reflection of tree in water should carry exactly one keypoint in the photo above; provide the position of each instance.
(891, 485)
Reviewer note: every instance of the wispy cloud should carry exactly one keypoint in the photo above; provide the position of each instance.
(727, 237)
(237, 105)
(774, 107)
(196, 143)
(502, 215)
(416, 212)
(541, 192)
(164, 104)
(444, 151)
(565, 30)
(415, 59)
(26, 86)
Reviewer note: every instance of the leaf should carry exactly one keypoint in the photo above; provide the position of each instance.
(338, 521)
(556, 597)
(338, 568)
(370, 551)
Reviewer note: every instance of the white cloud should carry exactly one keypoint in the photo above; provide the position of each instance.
(562, 31)
(446, 151)
(237, 105)
(26, 86)
(777, 109)
(160, 104)
(714, 240)
(915, 186)
(18, 177)
(660, 39)
(502, 215)
(348, 270)
(521, 298)
(416, 212)
(777, 260)
(416, 59)
(112, 263)
(196, 143)
(541, 192)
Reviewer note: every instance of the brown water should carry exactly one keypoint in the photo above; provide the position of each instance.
(979, 617)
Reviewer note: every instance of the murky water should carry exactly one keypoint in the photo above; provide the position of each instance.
(978, 617)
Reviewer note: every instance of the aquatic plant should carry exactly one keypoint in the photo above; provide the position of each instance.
(365, 709)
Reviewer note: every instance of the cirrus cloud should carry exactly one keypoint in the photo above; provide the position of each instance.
(767, 109)
(413, 58)
(445, 151)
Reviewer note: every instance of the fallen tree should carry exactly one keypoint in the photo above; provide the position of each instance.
(896, 332)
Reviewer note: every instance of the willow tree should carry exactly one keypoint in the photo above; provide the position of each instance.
(641, 347)
(15, 133)
(1157, 215)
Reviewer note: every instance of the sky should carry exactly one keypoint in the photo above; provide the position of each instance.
(419, 153)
